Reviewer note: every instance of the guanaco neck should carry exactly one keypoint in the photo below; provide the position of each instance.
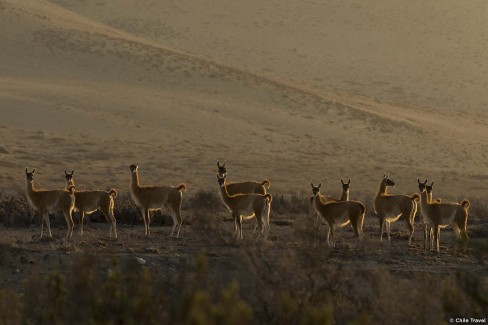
(225, 194)
(424, 199)
(31, 193)
(30, 188)
(383, 188)
(344, 195)
(134, 182)
(317, 199)
(70, 183)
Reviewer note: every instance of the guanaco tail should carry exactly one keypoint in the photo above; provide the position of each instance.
(149, 198)
(339, 214)
(50, 201)
(389, 208)
(90, 201)
(246, 205)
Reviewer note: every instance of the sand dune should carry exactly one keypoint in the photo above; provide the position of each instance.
(97, 86)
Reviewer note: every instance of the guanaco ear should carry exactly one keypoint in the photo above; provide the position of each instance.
(342, 182)
(349, 182)
(432, 184)
(312, 184)
(65, 173)
(225, 162)
(320, 184)
(418, 180)
(33, 171)
(72, 172)
(26, 170)
(425, 181)
(218, 164)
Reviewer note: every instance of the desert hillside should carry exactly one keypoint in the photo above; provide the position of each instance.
(292, 91)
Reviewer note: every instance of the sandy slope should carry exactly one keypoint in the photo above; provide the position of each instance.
(97, 86)
(426, 53)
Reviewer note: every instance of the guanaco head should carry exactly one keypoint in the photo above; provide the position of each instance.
(428, 188)
(316, 189)
(422, 185)
(221, 180)
(345, 186)
(387, 181)
(222, 169)
(69, 177)
(133, 168)
(29, 176)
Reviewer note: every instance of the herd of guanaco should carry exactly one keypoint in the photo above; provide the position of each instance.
(247, 200)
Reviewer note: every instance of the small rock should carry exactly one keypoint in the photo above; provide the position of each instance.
(140, 261)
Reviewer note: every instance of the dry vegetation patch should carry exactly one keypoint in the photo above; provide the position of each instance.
(207, 277)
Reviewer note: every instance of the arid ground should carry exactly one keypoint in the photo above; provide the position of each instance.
(207, 276)
(291, 91)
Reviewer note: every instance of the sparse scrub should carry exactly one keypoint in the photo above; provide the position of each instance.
(125, 210)
(206, 210)
(478, 212)
(465, 294)
(206, 200)
(304, 282)
(290, 204)
(119, 296)
(15, 211)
